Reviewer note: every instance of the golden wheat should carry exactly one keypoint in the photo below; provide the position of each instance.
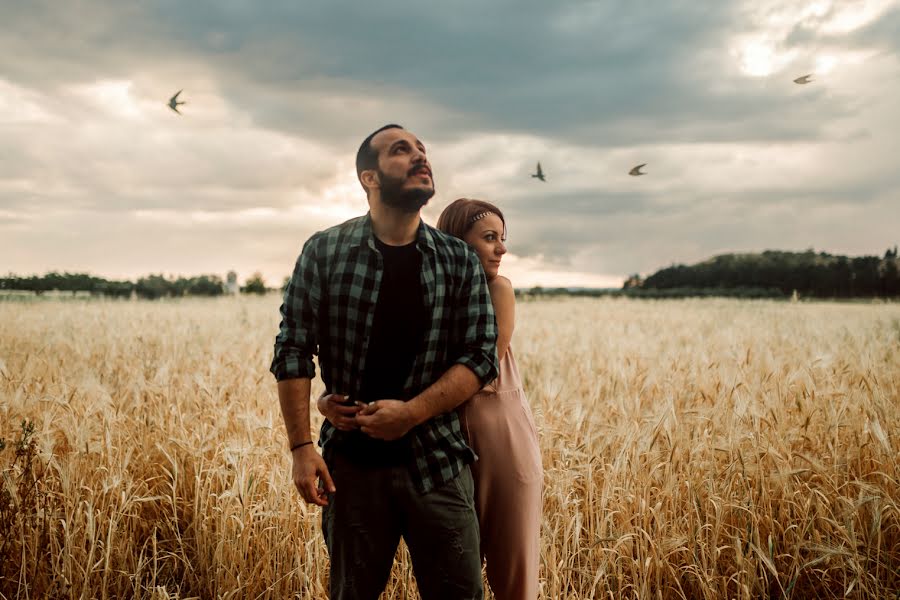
(692, 449)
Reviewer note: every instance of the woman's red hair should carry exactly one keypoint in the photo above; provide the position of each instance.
(459, 216)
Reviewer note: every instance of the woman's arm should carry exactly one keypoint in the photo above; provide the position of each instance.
(504, 300)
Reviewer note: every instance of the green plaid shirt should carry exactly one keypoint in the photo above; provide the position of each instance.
(328, 309)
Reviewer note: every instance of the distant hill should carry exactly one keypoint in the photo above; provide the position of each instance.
(774, 273)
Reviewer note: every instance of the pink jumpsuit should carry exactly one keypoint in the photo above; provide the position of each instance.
(508, 478)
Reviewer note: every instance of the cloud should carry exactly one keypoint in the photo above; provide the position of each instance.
(280, 94)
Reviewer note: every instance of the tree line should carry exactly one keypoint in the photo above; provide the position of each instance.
(775, 273)
(769, 274)
(150, 287)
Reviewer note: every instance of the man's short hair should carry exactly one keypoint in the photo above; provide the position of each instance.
(366, 156)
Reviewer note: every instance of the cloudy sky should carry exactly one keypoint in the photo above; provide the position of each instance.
(98, 175)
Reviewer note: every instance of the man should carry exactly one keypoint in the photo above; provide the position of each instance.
(401, 319)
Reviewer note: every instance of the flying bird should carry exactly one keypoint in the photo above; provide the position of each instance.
(804, 80)
(173, 102)
(539, 174)
(637, 170)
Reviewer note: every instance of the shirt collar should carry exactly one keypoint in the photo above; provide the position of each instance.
(362, 232)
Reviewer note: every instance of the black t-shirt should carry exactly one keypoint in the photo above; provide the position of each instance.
(398, 330)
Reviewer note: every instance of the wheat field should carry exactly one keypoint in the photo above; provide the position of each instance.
(692, 449)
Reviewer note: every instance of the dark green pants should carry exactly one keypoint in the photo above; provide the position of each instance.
(374, 506)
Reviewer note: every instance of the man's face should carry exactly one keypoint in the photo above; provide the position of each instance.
(403, 170)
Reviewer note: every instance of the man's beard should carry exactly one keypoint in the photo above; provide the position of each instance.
(408, 201)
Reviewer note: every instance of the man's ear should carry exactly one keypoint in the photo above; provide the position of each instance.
(369, 179)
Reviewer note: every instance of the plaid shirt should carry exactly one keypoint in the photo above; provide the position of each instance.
(328, 309)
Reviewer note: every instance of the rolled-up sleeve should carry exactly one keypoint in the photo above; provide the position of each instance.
(296, 343)
(479, 324)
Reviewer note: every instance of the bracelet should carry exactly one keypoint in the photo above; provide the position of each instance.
(300, 445)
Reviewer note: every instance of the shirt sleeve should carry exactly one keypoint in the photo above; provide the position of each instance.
(479, 326)
(296, 343)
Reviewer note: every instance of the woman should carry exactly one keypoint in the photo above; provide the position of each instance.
(508, 474)
(498, 422)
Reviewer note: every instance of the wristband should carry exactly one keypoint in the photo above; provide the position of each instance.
(300, 445)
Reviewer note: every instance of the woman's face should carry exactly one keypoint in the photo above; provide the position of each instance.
(486, 237)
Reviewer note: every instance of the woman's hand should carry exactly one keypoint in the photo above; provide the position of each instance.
(333, 408)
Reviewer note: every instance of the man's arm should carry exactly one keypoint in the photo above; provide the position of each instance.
(308, 467)
(454, 387)
(478, 323)
(293, 395)
(293, 368)
(391, 419)
(296, 341)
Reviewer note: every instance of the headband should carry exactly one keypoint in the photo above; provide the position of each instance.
(480, 216)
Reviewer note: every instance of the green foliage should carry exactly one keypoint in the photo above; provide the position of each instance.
(744, 292)
(157, 286)
(818, 275)
(153, 287)
(113, 289)
(66, 282)
(255, 284)
(206, 285)
(149, 287)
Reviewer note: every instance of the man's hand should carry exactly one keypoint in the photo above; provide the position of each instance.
(386, 419)
(332, 407)
(309, 467)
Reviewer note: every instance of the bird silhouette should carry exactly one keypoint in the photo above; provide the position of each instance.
(173, 102)
(804, 80)
(539, 174)
(637, 170)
